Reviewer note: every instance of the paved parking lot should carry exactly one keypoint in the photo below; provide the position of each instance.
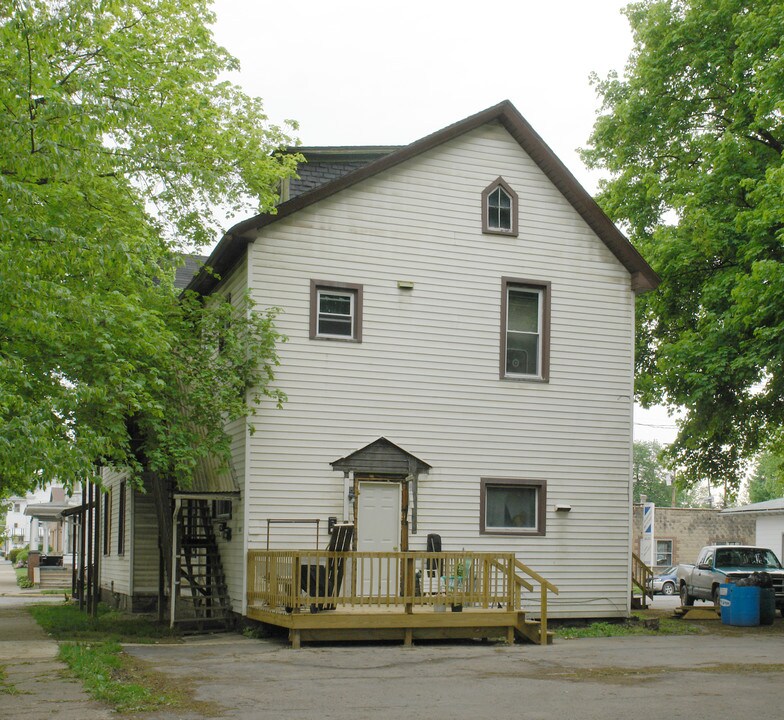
(647, 678)
(690, 677)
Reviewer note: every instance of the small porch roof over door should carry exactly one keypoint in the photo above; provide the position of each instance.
(381, 457)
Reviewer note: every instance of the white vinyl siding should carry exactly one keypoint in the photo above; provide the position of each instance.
(115, 568)
(426, 375)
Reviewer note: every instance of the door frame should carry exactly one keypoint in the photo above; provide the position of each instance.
(381, 478)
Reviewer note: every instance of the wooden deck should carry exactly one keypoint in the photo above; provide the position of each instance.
(405, 596)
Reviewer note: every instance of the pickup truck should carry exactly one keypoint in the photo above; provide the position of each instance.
(717, 564)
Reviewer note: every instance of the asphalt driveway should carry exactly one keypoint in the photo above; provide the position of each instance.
(646, 678)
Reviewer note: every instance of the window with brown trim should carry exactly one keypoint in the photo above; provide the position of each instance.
(335, 311)
(511, 506)
(121, 519)
(499, 209)
(525, 329)
(107, 522)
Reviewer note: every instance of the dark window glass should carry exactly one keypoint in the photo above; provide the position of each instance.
(511, 507)
(336, 313)
(499, 210)
(121, 520)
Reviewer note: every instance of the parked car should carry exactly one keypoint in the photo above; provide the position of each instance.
(665, 582)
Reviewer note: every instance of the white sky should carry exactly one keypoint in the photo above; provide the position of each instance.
(388, 73)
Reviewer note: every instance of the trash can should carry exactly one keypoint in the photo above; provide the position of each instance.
(767, 606)
(740, 606)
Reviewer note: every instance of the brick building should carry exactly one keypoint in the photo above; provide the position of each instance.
(679, 533)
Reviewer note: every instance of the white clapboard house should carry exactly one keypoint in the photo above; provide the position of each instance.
(459, 363)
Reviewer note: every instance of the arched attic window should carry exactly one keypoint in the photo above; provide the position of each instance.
(499, 209)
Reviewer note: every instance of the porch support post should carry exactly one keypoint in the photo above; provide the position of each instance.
(346, 487)
(175, 568)
(413, 478)
(95, 589)
(34, 534)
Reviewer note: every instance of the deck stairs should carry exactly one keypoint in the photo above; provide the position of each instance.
(642, 584)
(203, 603)
(531, 631)
(534, 631)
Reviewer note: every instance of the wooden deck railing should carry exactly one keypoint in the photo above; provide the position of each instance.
(296, 580)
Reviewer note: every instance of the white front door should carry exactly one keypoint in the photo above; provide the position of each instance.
(378, 530)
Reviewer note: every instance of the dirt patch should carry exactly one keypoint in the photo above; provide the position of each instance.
(180, 692)
(634, 676)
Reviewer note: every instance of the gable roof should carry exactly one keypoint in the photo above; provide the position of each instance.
(381, 456)
(232, 246)
(183, 274)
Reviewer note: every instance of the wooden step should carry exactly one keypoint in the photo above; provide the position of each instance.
(531, 631)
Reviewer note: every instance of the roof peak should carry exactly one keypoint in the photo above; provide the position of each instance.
(232, 245)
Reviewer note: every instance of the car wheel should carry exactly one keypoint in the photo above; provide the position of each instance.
(668, 588)
(686, 599)
(716, 597)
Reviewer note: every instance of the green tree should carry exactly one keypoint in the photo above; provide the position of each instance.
(767, 482)
(649, 475)
(653, 478)
(692, 136)
(118, 137)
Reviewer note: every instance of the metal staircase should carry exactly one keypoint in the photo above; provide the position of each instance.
(202, 600)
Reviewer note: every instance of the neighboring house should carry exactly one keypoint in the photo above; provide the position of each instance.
(17, 525)
(460, 323)
(680, 533)
(38, 515)
(768, 521)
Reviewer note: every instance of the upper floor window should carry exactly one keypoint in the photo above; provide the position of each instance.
(335, 311)
(499, 208)
(525, 329)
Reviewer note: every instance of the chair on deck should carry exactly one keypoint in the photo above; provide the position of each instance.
(325, 581)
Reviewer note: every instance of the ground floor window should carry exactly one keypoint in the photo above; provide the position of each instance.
(664, 552)
(511, 506)
(121, 519)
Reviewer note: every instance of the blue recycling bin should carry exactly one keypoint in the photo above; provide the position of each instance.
(740, 606)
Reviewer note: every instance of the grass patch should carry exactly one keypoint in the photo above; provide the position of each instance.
(6, 687)
(90, 647)
(636, 625)
(67, 622)
(112, 677)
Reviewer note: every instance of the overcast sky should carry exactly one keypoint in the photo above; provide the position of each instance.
(387, 73)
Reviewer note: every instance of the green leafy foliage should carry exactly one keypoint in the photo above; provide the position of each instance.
(118, 138)
(693, 136)
(767, 482)
(653, 478)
